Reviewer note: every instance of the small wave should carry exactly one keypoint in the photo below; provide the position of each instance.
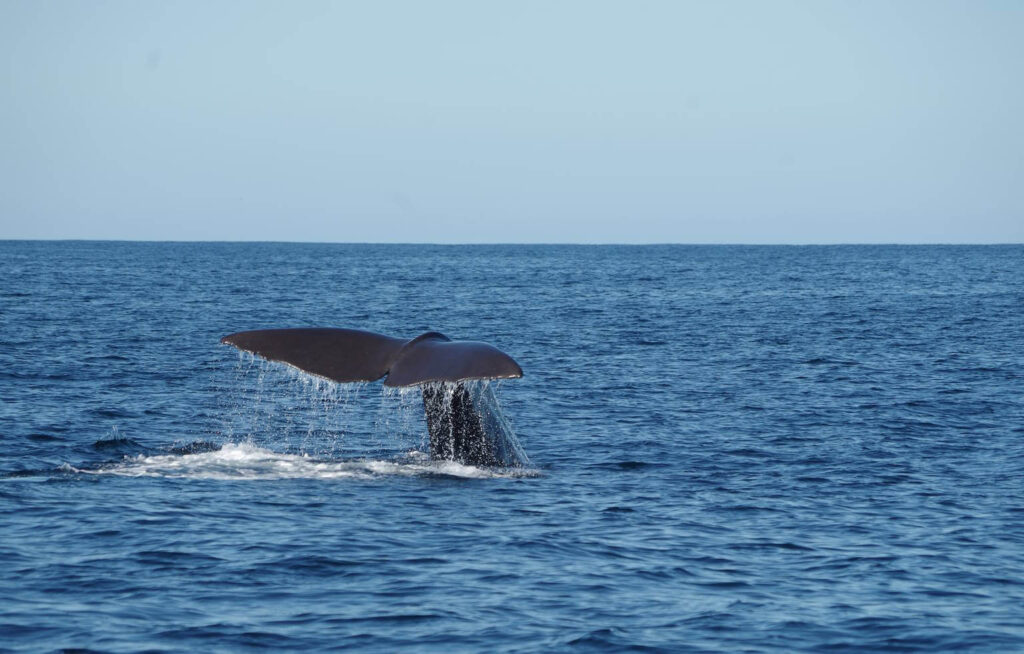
(44, 438)
(628, 465)
(818, 361)
(19, 474)
(244, 461)
(195, 447)
(118, 444)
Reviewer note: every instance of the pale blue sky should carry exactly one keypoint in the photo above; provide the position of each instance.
(452, 122)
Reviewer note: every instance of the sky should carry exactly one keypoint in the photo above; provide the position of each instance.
(513, 122)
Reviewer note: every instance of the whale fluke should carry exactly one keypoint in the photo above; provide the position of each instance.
(434, 357)
(463, 418)
(353, 355)
(341, 355)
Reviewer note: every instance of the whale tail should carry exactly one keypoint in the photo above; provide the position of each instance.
(463, 418)
(353, 355)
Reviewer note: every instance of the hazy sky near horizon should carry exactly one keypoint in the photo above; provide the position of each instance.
(451, 122)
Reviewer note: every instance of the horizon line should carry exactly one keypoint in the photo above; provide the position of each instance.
(525, 243)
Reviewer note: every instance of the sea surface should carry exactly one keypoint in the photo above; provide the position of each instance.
(731, 449)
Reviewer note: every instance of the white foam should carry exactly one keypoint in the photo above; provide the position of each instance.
(244, 461)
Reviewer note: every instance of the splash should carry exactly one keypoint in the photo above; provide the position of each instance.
(247, 461)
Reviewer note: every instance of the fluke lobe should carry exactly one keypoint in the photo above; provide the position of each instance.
(463, 418)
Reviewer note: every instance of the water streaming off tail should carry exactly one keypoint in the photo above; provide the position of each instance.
(278, 407)
(489, 438)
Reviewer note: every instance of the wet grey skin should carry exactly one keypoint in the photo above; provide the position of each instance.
(463, 419)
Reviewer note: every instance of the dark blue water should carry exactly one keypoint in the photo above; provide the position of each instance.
(731, 449)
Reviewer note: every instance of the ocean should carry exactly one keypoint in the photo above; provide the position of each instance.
(730, 449)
